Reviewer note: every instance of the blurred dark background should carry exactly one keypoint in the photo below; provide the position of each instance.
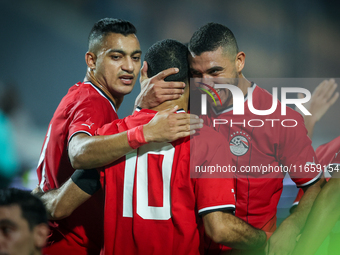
(43, 43)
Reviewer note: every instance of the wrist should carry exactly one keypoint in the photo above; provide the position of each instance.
(136, 137)
(147, 134)
(310, 120)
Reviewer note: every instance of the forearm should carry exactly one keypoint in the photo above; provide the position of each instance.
(49, 200)
(61, 202)
(242, 235)
(323, 216)
(300, 214)
(233, 232)
(88, 152)
(310, 123)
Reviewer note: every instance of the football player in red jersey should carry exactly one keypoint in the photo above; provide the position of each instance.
(151, 203)
(214, 54)
(113, 60)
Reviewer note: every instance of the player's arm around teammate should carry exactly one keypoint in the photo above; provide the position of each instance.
(61, 202)
(86, 152)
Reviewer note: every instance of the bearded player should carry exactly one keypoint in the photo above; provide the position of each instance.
(214, 54)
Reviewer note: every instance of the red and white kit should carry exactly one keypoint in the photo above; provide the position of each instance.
(84, 109)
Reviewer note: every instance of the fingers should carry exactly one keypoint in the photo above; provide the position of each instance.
(174, 91)
(185, 124)
(320, 88)
(162, 75)
(173, 85)
(329, 90)
(164, 98)
(325, 89)
(301, 95)
(172, 110)
(188, 116)
(144, 72)
(189, 123)
(334, 98)
(186, 130)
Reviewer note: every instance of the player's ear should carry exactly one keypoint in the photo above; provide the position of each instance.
(40, 235)
(90, 59)
(240, 61)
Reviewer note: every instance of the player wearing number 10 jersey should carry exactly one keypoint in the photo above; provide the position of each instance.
(151, 202)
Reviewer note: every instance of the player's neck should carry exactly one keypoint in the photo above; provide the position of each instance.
(91, 78)
(181, 102)
(244, 84)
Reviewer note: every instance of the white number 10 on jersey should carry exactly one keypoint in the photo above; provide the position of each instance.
(143, 209)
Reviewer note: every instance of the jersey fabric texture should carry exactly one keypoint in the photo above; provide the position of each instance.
(151, 203)
(84, 109)
(257, 142)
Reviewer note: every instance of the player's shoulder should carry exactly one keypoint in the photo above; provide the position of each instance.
(79, 91)
(262, 99)
(85, 93)
(335, 144)
(326, 151)
(85, 90)
(265, 98)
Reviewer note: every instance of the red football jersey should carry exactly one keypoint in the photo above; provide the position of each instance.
(84, 109)
(259, 144)
(151, 203)
(327, 153)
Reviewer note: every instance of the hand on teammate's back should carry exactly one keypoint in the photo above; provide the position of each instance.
(168, 126)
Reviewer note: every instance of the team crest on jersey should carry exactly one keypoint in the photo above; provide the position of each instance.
(239, 144)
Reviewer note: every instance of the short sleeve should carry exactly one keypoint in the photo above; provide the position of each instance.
(89, 115)
(297, 154)
(210, 160)
(214, 194)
